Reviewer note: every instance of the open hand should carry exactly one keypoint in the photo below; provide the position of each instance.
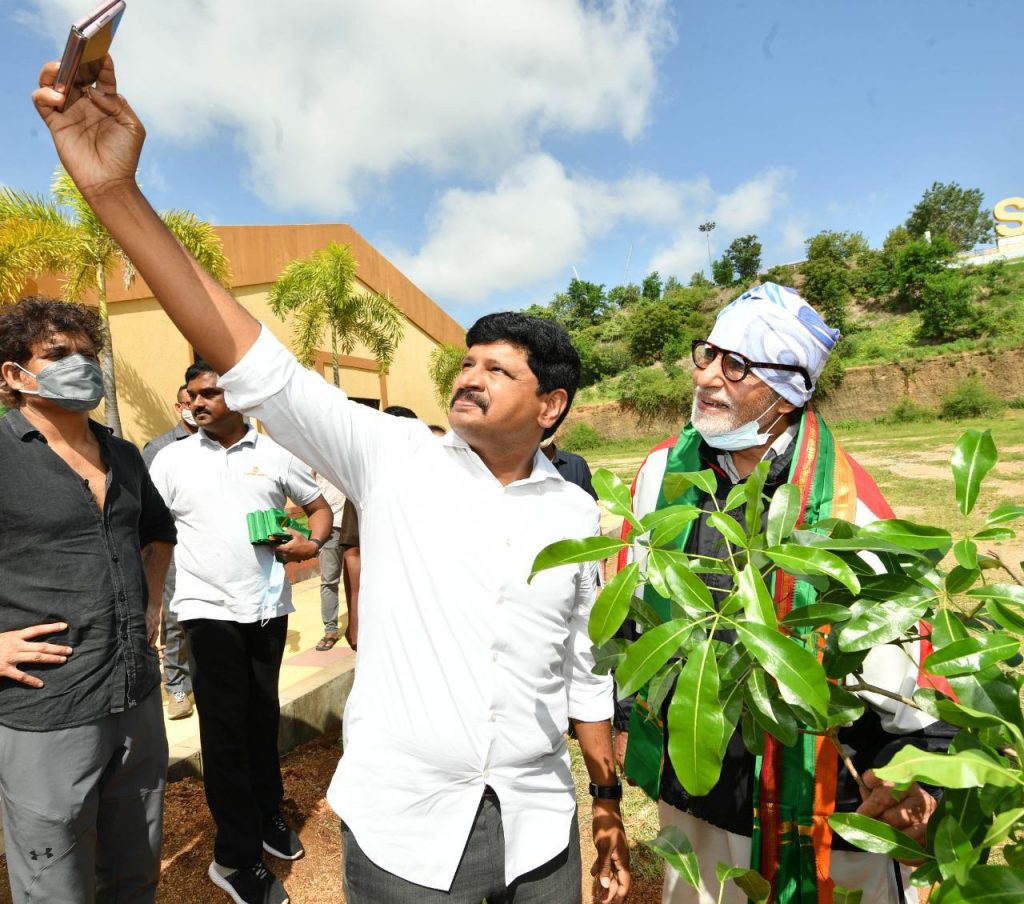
(18, 648)
(99, 138)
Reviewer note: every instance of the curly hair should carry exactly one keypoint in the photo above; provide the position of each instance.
(32, 320)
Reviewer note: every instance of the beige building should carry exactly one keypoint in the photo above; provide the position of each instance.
(151, 356)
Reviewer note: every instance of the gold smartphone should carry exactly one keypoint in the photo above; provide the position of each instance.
(88, 43)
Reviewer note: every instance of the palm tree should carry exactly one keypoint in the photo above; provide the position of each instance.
(321, 291)
(445, 364)
(62, 235)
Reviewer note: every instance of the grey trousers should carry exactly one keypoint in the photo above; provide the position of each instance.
(330, 575)
(480, 876)
(83, 808)
(176, 675)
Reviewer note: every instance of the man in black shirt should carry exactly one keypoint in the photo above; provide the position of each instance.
(87, 541)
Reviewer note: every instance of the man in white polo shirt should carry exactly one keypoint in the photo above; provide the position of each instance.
(233, 600)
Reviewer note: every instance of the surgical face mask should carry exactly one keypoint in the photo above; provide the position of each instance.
(188, 417)
(74, 383)
(746, 436)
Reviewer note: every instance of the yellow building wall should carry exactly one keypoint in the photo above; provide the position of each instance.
(151, 357)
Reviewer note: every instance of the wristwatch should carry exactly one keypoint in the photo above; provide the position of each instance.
(606, 792)
(319, 543)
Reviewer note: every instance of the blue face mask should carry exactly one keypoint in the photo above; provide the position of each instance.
(746, 436)
(74, 383)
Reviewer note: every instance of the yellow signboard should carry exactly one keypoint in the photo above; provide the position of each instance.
(1009, 217)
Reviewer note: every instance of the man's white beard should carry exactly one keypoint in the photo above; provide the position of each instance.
(716, 424)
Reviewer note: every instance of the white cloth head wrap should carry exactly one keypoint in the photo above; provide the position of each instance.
(773, 323)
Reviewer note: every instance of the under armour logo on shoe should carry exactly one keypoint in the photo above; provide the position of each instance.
(35, 855)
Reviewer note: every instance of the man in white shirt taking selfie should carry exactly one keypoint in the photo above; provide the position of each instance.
(455, 783)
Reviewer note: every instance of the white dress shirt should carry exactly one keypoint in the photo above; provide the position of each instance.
(466, 676)
(209, 490)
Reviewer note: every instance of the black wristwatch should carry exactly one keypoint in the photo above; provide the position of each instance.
(319, 543)
(606, 792)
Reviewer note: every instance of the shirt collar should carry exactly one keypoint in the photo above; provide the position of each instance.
(542, 468)
(776, 450)
(249, 439)
(22, 427)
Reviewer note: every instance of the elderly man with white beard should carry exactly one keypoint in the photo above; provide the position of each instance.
(754, 378)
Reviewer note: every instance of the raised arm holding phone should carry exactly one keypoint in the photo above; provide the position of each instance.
(454, 728)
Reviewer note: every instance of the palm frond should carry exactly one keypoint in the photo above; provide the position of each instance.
(20, 205)
(445, 364)
(380, 326)
(296, 287)
(29, 248)
(309, 325)
(67, 194)
(200, 239)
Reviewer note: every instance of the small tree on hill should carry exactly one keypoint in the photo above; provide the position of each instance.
(652, 288)
(745, 256)
(954, 212)
(722, 272)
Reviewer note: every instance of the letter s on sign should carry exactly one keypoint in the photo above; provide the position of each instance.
(1009, 217)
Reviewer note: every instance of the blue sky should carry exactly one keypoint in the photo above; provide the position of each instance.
(491, 147)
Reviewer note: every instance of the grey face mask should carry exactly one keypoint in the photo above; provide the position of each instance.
(74, 383)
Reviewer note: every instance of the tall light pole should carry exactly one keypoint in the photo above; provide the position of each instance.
(707, 228)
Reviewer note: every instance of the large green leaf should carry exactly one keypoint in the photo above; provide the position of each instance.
(815, 615)
(966, 554)
(877, 623)
(906, 533)
(984, 885)
(953, 850)
(753, 487)
(615, 495)
(844, 708)
(843, 895)
(729, 528)
(609, 655)
(672, 845)
(973, 457)
(956, 713)
(964, 769)
(612, 605)
(876, 836)
(685, 587)
(961, 579)
(768, 709)
(661, 686)
(972, 654)
(783, 513)
(1008, 511)
(696, 722)
(758, 604)
(749, 881)
(998, 696)
(675, 485)
(572, 552)
(1001, 825)
(1007, 616)
(802, 560)
(800, 675)
(666, 524)
(648, 654)
(1007, 594)
(995, 533)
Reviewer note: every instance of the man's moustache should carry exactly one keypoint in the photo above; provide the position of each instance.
(470, 396)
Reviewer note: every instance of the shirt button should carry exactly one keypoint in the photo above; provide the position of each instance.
(486, 773)
(494, 716)
(122, 596)
(494, 657)
(501, 601)
(114, 557)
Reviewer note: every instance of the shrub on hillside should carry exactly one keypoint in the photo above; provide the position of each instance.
(969, 398)
(945, 306)
(907, 411)
(656, 392)
(580, 437)
(1016, 403)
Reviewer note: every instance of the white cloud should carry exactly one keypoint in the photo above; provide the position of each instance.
(534, 223)
(329, 98)
(748, 207)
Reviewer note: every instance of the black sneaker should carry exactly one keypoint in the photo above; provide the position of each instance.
(255, 885)
(281, 841)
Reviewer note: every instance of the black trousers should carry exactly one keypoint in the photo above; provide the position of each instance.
(235, 668)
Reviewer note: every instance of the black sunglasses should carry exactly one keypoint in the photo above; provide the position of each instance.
(736, 366)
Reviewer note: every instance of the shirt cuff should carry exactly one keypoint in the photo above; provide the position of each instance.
(262, 372)
(593, 703)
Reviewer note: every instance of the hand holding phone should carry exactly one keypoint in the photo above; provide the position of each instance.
(88, 43)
